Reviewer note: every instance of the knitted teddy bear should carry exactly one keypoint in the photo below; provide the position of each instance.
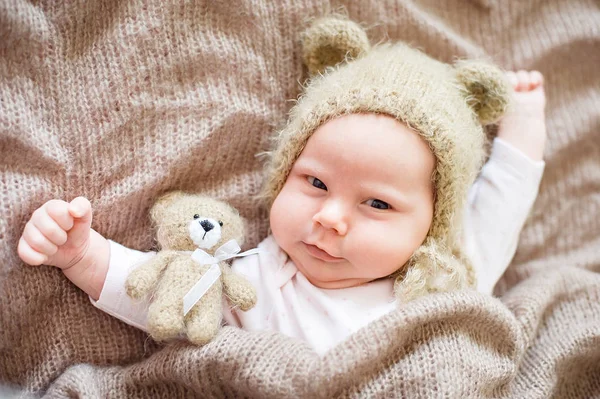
(184, 223)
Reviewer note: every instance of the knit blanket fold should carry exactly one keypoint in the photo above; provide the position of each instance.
(122, 100)
(466, 344)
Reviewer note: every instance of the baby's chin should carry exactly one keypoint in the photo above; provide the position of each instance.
(339, 284)
(328, 282)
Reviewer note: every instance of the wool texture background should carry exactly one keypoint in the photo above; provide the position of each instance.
(122, 100)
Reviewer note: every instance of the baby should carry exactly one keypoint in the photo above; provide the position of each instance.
(367, 189)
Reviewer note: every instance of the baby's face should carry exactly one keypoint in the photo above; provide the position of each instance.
(358, 201)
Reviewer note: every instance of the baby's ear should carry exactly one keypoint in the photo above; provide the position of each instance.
(157, 213)
(485, 88)
(330, 40)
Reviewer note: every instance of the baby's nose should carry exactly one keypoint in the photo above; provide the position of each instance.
(206, 225)
(332, 215)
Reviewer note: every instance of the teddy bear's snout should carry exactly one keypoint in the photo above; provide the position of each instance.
(204, 232)
(207, 225)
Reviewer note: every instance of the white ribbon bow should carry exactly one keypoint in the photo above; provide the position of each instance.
(226, 251)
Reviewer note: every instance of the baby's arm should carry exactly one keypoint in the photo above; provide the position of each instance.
(59, 234)
(498, 205)
(502, 197)
(114, 299)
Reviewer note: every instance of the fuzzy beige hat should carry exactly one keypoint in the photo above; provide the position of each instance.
(445, 104)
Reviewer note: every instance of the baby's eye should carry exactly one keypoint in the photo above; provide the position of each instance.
(317, 183)
(196, 216)
(375, 203)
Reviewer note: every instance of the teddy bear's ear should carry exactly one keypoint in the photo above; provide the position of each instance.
(486, 89)
(162, 203)
(330, 40)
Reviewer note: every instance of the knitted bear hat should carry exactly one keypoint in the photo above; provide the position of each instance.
(446, 105)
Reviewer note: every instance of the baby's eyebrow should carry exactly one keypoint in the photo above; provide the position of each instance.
(312, 165)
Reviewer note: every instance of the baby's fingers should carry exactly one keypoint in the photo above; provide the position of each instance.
(29, 255)
(81, 208)
(49, 228)
(37, 241)
(58, 210)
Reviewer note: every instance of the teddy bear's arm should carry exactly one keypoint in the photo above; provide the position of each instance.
(143, 279)
(238, 290)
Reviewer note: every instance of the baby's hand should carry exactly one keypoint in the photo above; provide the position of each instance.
(58, 234)
(524, 125)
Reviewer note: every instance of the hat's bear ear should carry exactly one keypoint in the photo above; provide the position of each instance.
(486, 89)
(331, 40)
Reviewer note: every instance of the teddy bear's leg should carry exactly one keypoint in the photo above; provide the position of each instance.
(204, 319)
(165, 314)
(238, 290)
(165, 317)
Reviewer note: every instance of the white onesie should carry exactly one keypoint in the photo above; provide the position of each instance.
(498, 205)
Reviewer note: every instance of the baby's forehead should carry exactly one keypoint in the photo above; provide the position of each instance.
(370, 142)
(367, 128)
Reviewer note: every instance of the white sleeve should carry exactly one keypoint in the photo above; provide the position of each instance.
(113, 298)
(498, 205)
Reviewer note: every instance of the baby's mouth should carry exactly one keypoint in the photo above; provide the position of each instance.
(318, 253)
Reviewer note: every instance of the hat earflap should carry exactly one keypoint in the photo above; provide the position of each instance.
(485, 88)
(331, 40)
(433, 268)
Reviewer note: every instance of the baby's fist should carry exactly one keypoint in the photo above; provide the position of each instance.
(57, 234)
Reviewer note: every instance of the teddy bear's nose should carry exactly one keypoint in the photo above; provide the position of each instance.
(206, 225)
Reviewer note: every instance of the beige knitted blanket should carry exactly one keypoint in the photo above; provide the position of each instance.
(121, 100)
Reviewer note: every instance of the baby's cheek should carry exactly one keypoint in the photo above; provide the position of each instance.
(281, 218)
(384, 253)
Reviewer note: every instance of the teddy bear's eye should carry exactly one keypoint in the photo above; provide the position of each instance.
(196, 216)
(220, 223)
